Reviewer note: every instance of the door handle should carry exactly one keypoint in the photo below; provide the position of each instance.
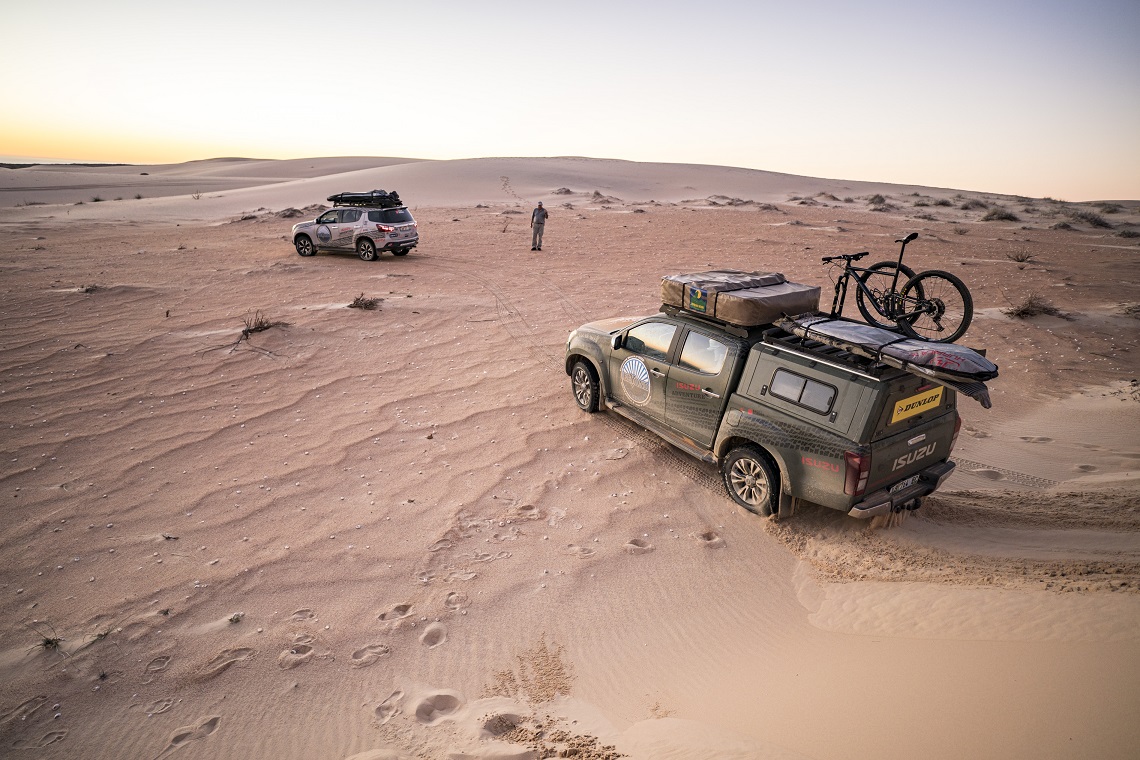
(709, 393)
(656, 372)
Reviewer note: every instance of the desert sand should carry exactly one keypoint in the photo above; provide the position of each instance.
(390, 533)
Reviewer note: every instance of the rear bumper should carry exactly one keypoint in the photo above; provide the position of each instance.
(884, 502)
(396, 245)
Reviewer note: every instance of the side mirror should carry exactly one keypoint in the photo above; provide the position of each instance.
(615, 341)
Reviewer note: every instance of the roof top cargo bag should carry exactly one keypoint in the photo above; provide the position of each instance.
(739, 298)
(379, 198)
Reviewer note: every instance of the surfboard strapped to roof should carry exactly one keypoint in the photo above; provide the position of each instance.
(958, 367)
(373, 198)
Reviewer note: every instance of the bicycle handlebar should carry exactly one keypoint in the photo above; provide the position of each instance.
(845, 257)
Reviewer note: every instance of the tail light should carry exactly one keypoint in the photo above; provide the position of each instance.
(858, 468)
(384, 228)
(957, 427)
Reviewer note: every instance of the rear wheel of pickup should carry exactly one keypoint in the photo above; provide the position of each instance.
(751, 480)
(585, 386)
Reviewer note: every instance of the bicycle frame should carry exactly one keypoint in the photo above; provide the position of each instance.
(848, 268)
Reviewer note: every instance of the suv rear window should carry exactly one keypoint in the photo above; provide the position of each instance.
(800, 390)
(390, 215)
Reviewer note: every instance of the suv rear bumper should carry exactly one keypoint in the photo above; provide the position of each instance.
(884, 502)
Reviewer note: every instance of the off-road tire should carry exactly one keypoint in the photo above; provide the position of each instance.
(584, 385)
(304, 245)
(366, 249)
(752, 480)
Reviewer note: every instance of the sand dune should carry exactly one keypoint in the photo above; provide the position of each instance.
(391, 534)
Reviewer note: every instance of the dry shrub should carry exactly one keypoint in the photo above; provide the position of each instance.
(1062, 226)
(1034, 305)
(1020, 256)
(999, 214)
(961, 230)
(368, 304)
(258, 322)
(973, 203)
(942, 202)
(1090, 218)
(877, 200)
(1128, 234)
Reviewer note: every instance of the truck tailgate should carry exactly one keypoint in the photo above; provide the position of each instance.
(902, 455)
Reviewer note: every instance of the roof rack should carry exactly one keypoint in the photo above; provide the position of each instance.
(374, 199)
(778, 337)
(728, 327)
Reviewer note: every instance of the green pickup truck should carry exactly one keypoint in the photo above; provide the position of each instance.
(787, 419)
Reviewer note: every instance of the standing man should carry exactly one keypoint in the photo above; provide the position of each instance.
(537, 224)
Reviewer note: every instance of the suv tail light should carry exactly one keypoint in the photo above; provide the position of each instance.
(384, 228)
(858, 468)
(957, 427)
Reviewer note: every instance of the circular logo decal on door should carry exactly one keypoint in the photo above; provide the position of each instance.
(635, 380)
(324, 234)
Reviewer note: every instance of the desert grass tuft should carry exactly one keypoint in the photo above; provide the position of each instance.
(1034, 305)
(368, 304)
(999, 214)
(1020, 256)
(1090, 218)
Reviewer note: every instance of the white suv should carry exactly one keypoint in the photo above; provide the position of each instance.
(366, 223)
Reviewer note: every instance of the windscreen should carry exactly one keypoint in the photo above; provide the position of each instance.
(390, 215)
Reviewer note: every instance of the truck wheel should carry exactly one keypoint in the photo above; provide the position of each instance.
(751, 480)
(366, 250)
(585, 386)
(304, 245)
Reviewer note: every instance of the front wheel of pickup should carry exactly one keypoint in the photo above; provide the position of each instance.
(585, 386)
(751, 480)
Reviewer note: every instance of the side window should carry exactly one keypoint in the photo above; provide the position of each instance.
(329, 217)
(703, 354)
(803, 391)
(374, 216)
(651, 339)
(350, 215)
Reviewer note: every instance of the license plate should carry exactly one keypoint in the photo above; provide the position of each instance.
(904, 484)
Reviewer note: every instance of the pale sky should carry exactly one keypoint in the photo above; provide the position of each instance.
(1032, 98)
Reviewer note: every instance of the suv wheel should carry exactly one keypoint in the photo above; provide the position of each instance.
(751, 480)
(366, 249)
(400, 251)
(304, 245)
(585, 386)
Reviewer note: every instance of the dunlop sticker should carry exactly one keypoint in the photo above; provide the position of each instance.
(909, 407)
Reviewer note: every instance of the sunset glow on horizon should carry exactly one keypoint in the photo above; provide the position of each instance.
(1035, 99)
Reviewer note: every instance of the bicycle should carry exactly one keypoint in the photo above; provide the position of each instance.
(934, 306)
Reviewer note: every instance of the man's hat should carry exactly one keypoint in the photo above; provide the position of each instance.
(540, 203)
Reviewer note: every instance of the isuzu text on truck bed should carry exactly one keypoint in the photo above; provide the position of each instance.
(786, 416)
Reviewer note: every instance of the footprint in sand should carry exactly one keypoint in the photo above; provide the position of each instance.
(711, 539)
(1036, 439)
(397, 612)
(615, 454)
(434, 635)
(49, 738)
(390, 707)
(975, 432)
(298, 654)
(158, 664)
(187, 734)
(486, 557)
(368, 654)
(222, 661)
(456, 601)
(638, 546)
(461, 575)
(304, 615)
(25, 710)
(1086, 468)
(440, 545)
(529, 512)
(437, 707)
(159, 706)
(988, 474)
(581, 552)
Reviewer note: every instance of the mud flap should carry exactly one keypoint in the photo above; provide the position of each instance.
(787, 504)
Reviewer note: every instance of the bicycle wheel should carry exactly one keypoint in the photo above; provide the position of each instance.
(938, 307)
(879, 278)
